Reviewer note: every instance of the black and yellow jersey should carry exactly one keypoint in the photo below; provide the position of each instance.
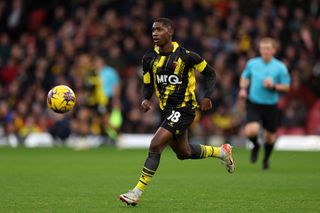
(171, 76)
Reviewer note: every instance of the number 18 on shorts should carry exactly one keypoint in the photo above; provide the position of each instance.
(177, 120)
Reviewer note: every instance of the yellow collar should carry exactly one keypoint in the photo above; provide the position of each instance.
(175, 47)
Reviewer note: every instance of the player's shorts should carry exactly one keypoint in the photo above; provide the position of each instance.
(177, 120)
(267, 115)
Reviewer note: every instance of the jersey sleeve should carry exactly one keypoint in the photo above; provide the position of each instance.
(197, 61)
(146, 70)
(284, 75)
(205, 69)
(246, 72)
(147, 78)
(115, 77)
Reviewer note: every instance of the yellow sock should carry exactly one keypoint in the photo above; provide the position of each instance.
(145, 178)
(209, 151)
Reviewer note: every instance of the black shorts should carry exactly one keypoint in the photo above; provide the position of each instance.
(267, 115)
(177, 120)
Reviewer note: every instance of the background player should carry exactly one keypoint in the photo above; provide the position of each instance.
(169, 71)
(266, 77)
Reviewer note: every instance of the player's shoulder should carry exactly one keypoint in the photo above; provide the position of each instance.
(278, 62)
(280, 65)
(190, 55)
(149, 54)
(187, 52)
(255, 60)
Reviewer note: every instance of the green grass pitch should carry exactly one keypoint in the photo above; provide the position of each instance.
(64, 180)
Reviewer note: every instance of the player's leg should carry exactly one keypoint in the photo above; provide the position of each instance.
(269, 141)
(178, 125)
(251, 129)
(160, 140)
(270, 123)
(184, 150)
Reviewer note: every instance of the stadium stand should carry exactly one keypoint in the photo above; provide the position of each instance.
(45, 43)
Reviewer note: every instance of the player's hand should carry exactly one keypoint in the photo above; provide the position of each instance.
(243, 93)
(146, 105)
(205, 104)
(268, 83)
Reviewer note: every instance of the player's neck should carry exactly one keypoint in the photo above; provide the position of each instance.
(267, 60)
(167, 48)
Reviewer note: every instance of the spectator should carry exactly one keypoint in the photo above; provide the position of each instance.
(41, 47)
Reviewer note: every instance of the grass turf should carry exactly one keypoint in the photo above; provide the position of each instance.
(64, 180)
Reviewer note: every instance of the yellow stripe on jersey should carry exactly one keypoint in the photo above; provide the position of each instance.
(170, 88)
(175, 46)
(156, 49)
(200, 67)
(157, 64)
(146, 78)
(190, 90)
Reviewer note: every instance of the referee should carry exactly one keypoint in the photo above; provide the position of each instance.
(261, 82)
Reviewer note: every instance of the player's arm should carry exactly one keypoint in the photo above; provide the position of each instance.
(284, 85)
(210, 79)
(148, 88)
(243, 85)
(244, 81)
(281, 87)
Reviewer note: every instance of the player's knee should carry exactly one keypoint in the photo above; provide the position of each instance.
(251, 130)
(184, 155)
(270, 138)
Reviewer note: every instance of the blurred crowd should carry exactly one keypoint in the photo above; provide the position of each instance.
(96, 46)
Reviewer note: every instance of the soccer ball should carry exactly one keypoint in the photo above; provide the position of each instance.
(61, 99)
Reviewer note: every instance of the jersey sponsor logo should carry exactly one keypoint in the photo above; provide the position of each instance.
(171, 79)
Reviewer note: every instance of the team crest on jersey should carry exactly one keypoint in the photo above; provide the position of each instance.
(174, 65)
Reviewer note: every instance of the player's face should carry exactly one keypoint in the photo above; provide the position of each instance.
(267, 50)
(161, 34)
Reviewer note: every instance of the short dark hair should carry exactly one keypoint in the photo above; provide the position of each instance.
(165, 21)
(270, 40)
